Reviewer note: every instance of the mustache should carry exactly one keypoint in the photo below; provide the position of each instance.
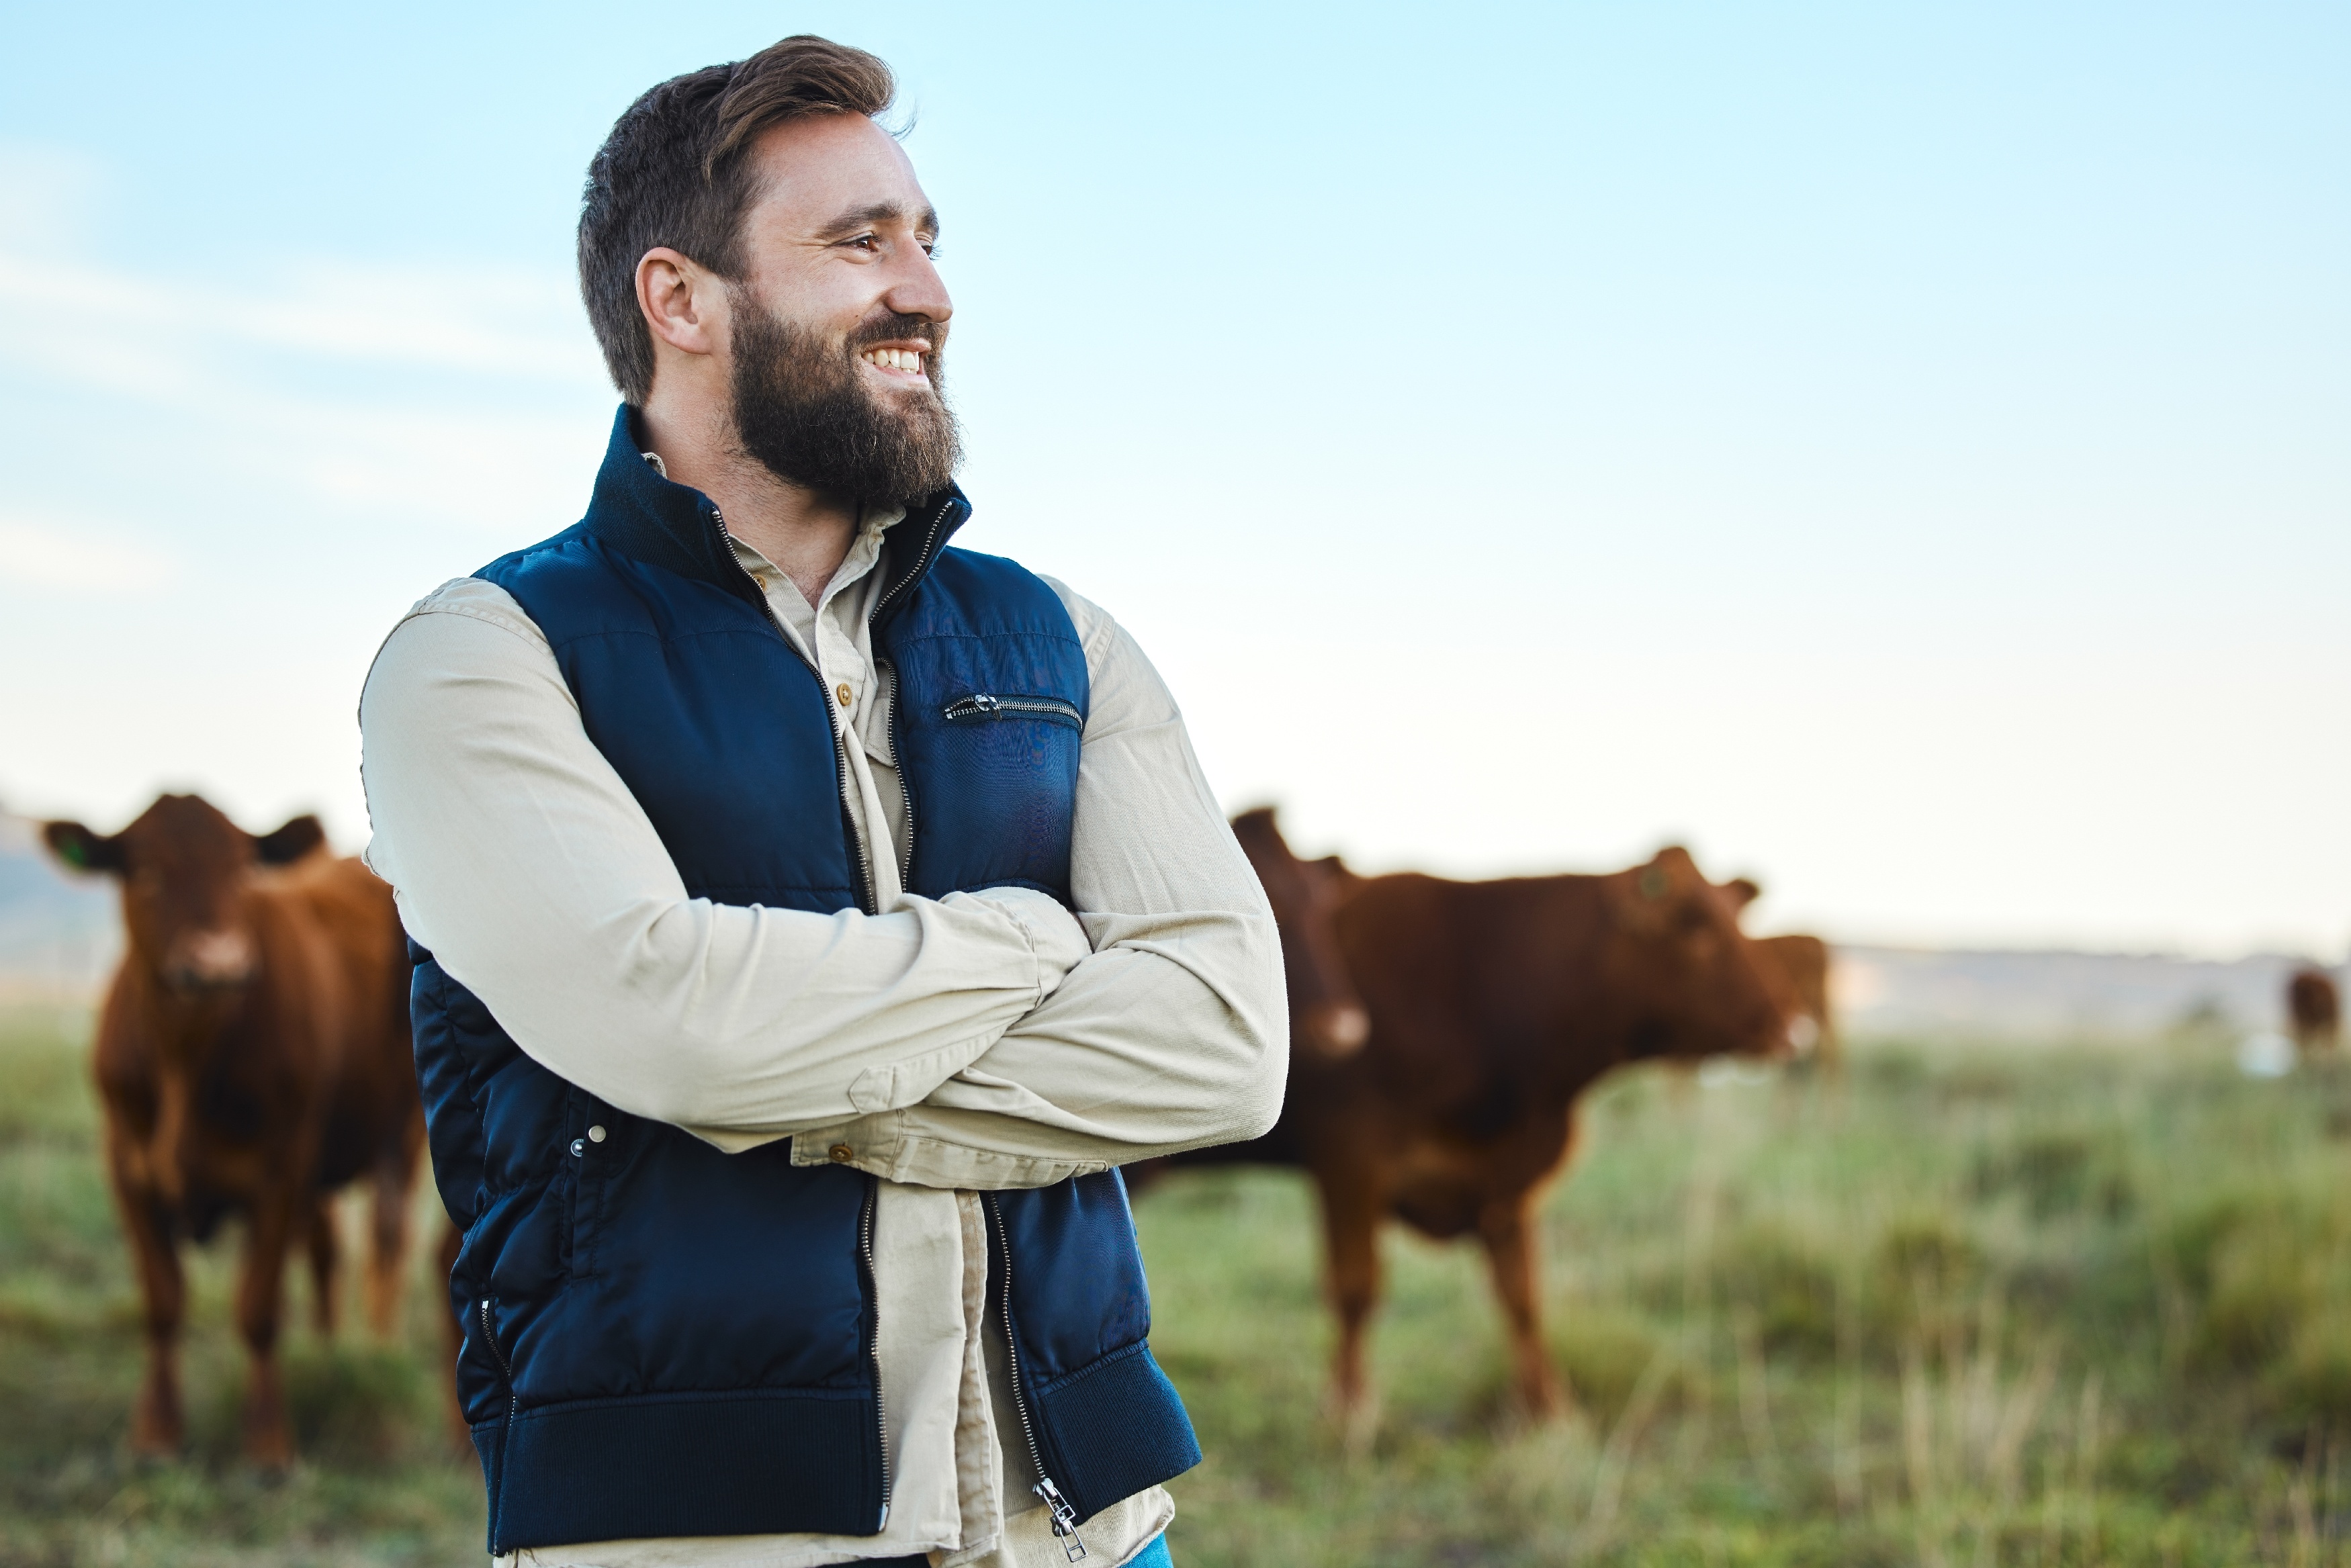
(892, 327)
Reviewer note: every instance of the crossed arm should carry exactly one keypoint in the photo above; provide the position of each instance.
(976, 1040)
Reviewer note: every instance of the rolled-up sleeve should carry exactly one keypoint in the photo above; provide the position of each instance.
(1174, 1034)
(520, 858)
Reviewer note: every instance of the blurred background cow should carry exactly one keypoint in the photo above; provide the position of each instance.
(1491, 1006)
(2314, 1011)
(253, 1056)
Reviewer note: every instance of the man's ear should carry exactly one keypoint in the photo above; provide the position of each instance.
(80, 848)
(291, 842)
(682, 302)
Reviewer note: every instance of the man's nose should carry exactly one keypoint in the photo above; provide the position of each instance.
(919, 290)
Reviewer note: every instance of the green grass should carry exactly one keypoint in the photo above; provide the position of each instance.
(1970, 1306)
(377, 1484)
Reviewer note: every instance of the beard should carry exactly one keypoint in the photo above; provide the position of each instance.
(803, 409)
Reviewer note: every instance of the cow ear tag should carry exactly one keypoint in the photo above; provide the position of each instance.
(1653, 882)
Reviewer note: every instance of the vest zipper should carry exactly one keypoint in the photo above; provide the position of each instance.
(872, 1285)
(922, 558)
(841, 780)
(982, 705)
(897, 740)
(1065, 1517)
(513, 1400)
(905, 787)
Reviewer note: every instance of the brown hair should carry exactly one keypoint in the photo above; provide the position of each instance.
(675, 171)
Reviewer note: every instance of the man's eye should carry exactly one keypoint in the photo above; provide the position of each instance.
(866, 242)
(931, 249)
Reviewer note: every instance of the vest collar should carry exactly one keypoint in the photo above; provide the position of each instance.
(638, 512)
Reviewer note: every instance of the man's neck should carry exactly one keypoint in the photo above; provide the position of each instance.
(806, 535)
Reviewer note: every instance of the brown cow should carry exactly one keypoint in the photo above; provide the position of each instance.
(2316, 1010)
(1493, 1005)
(253, 1056)
(1804, 962)
(1326, 1020)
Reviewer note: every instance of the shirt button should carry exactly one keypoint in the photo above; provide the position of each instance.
(842, 1154)
(595, 1135)
(842, 693)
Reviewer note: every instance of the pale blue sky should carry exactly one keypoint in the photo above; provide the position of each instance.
(1903, 451)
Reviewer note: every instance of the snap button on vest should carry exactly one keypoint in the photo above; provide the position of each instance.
(596, 1135)
(579, 1146)
(842, 1154)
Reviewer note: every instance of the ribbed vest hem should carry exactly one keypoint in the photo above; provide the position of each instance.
(1115, 1427)
(763, 1462)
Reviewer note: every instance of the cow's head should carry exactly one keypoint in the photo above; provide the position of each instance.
(1696, 986)
(1327, 1021)
(182, 868)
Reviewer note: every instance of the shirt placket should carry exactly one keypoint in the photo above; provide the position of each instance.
(849, 678)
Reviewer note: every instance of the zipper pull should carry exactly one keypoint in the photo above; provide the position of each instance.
(1065, 1519)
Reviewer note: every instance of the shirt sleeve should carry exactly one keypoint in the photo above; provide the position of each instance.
(1175, 1033)
(521, 860)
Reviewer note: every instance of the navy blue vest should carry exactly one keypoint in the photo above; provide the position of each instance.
(664, 1340)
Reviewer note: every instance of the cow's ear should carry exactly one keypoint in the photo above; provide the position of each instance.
(291, 842)
(1742, 891)
(80, 848)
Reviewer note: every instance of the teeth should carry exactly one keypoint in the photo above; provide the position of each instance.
(895, 358)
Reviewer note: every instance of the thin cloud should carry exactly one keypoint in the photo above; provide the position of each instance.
(84, 321)
(88, 558)
(474, 394)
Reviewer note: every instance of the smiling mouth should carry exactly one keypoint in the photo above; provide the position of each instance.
(895, 361)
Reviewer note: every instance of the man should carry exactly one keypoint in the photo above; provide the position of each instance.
(738, 832)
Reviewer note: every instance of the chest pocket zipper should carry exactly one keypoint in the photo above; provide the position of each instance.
(981, 706)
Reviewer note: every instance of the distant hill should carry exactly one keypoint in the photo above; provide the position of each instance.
(2053, 994)
(58, 934)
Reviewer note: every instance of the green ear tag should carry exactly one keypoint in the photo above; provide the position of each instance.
(1653, 883)
(73, 855)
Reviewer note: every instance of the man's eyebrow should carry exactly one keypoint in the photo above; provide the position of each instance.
(925, 222)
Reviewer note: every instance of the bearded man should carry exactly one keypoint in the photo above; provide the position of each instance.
(808, 918)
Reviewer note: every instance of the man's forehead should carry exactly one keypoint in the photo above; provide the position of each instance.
(828, 171)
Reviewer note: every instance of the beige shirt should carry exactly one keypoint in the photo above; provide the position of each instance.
(968, 1042)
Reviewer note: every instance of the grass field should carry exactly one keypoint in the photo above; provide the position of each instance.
(1970, 1306)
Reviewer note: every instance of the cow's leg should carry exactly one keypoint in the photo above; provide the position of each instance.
(260, 1300)
(1351, 1218)
(392, 1185)
(326, 1255)
(1510, 1248)
(155, 1422)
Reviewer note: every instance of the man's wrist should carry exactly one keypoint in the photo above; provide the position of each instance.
(1055, 939)
(882, 1146)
